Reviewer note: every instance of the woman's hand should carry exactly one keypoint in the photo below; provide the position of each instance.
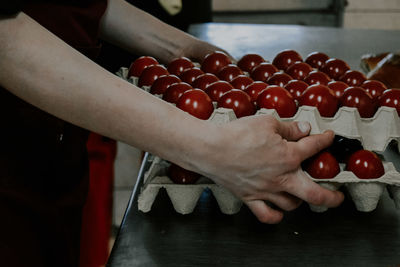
(258, 158)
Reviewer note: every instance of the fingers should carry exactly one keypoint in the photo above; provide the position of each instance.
(298, 184)
(310, 145)
(264, 213)
(284, 200)
(293, 131)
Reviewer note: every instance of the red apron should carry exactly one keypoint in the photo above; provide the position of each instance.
(43, 160)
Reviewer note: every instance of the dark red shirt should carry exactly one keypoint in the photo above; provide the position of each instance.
(43, 159)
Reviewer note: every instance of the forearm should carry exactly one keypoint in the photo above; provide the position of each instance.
(44, 71)
(137, 31)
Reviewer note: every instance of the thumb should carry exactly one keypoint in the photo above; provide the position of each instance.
(293, 131)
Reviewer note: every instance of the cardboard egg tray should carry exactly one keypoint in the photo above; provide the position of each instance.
(183, 197)
(374, 133)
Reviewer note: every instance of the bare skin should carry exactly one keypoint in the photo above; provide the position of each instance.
(256, 165)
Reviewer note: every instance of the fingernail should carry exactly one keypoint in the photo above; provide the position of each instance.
(304, 126)
(330, 132)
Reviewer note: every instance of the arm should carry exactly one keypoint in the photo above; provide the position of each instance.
(261, 164)
(137, 31)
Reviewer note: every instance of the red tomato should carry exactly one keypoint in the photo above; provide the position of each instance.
(357, 97)
(317, 77)
(335, 68)
(322, 97)
(299, 70)
(280, 79)
(140, 64)
(190, 75)
(254, 89)
(197, 103)
(179, 175)
(374, 88)
(161, 84)
(338, 88)
(238, 101)
(241, 82)
(217, 89)
(229, 72)
(322, 166)
(391, 98)
(278, 98)
(175, 91)
(365, 165)
(296, 88)
(353, 78)
(263, 71)
(249, 61)
(316, 59)
(150, 74)
(214, 62)
(179, 65)
(204, 80)
(284, 59)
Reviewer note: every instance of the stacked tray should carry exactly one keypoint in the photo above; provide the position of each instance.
(374, 133)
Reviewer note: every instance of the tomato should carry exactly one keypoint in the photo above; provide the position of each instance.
(175, 91)
(197, 103)
(217, 89)
(374, 88)
(249, 61)
(365, 165)
(263, 71)
(338, 88)
(214, 62)
(238, 101)
(280, 79)
(190, 75)
(322, 97)
(254, 89)
(179, 65)
(299, 70)
(316, 59)
(150, 74)
(161, 84)
(343, 147)
(179, 175)
(229, 72)
(391, 98)
(284, 59)
(335, 68)
(296, 88)
(278, 98)
(204, 80)
(353, 78)
(317, 77)
(322, 166)
(241, 82)
(140, 64)
(358, 98)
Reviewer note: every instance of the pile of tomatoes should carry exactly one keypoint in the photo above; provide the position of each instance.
(254, 83)
(363, 163)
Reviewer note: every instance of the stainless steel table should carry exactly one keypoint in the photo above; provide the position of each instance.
(338, 237)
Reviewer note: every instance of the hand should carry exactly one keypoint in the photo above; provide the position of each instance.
(199, 49)
(258, 158)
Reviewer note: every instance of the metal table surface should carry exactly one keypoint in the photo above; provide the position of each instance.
(206, 237)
